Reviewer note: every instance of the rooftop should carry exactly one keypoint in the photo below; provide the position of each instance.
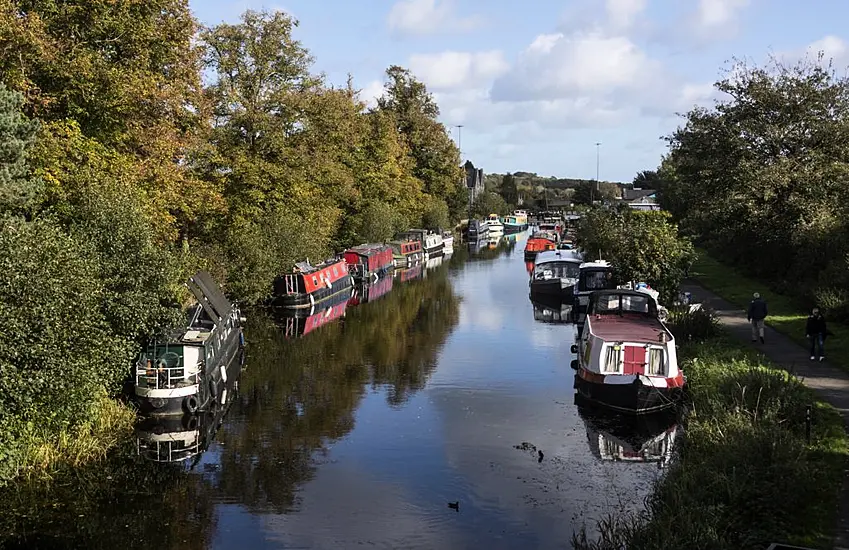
(628, 327)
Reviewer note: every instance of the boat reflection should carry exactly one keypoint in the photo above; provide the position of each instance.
(626, 438)
(180, 438)
(300, 322)
(548, 309)
(409, 274)
(529, 267)
(364, 293)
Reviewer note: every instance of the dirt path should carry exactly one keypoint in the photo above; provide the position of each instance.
(830, 382)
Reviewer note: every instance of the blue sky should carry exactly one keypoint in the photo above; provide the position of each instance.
(536, 88)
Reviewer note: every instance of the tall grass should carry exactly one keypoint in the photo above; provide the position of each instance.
(745, 475)
(109, 424)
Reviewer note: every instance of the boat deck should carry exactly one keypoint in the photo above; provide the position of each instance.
(629, 327)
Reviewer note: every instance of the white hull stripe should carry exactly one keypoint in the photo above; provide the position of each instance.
(167, 393)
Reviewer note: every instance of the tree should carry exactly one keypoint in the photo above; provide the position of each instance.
(641, 246)
(646, 179)
(509, 191)
(488, 203)
(603, 191)
(19, 192)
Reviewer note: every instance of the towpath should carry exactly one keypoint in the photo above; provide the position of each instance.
(829, 381)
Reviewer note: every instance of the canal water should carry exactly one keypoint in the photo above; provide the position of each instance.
(358, 428)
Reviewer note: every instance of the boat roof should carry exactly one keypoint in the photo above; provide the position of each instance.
(550, 235)
(307, 267)
(209, 295)
(548, 256)
(367, 249)
(628, 327)
(598, 264)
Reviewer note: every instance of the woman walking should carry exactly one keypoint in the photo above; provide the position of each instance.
(816, 331)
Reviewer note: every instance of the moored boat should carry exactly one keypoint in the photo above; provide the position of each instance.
(308, 284)
(496, 228)
(521, 217)
(513, 225)
(432, 243)
(555, 273)
(540, 242)
(593, 276)
(182, 373)
(406, 253)
(627, 359)
(477, 230)
(368, 262)
(448, 242)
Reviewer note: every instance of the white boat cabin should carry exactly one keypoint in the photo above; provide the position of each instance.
(557, 264)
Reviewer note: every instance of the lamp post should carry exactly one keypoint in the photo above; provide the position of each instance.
(596, 188)
(465, 175)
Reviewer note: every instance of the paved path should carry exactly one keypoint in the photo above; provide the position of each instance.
(830, 382)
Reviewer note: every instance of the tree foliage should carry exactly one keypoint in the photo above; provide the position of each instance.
(589, 191)
(761, 178)
(641, 246)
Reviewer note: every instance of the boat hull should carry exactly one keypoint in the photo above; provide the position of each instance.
(555, 288)
(634, 398)
(307, 300)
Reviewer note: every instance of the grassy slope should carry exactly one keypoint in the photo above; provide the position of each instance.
(745, 476)
(786, 314)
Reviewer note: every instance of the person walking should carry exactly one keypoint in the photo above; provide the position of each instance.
(816, 331)
(756, 315)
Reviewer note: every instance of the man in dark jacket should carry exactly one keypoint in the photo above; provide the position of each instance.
(756, 315)
(816, 331)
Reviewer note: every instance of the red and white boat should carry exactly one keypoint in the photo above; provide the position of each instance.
(368, 262)
(626, 355)
(364, 293)
(308, 284)
(300, 322)
(540, 242)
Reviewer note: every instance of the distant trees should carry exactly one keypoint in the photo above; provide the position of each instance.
(603, 191)
(646, 179)
(761, 178)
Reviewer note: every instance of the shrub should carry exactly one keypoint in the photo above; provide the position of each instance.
(690, 324)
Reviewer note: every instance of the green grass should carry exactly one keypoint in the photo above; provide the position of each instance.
(745, 476)
(787, 314)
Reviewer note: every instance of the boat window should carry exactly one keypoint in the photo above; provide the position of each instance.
(597, 280)
(611, 360)
(635, 304)
(315, 280)
(335, 271)
(656, 366)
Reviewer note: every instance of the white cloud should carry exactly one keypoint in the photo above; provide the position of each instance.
(623, 13)
(718, 13)
(424, 17)
(455, 70)
(371, 92)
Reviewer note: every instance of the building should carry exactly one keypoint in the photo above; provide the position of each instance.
(474, 180)
(640, 199)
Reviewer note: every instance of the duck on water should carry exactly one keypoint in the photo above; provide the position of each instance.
(183, 372)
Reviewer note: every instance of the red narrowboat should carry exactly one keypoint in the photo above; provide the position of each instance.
(308, 284)
(367, 262)
(406, 253)
(411, 273)
(540, 242)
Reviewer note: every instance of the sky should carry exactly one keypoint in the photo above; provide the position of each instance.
(535, 88)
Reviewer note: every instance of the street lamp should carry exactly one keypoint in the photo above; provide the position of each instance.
(465, 175)
(596, 189)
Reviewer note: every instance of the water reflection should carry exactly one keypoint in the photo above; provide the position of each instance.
(551, 310)
(615, 437)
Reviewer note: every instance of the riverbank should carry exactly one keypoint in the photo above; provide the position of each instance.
(787, 314)
(746, 475)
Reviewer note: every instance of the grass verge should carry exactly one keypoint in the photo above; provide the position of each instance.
(745, 475)
(44, 456)
(787, 315)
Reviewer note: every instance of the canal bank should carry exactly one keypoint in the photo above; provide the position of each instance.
(449, 388)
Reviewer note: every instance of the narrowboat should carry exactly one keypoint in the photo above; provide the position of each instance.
(179, 438)
(627, 360)
(513, 224)
(300, 322)
(540, 242)
(182, 373)
(406, 253)
(432, 243)
(496, 228)
(309, 284)
(549, 309)
(552, 226)
(628, 438)
(593, 276)
(477, 231)
(556, 273)
(368, 262)
(448, 242)
(364, 293)
(521, 217)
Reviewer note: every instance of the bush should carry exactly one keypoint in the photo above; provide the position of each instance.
(689, 324)
(56, 348)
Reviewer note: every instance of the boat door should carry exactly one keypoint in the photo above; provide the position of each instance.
(635, 360)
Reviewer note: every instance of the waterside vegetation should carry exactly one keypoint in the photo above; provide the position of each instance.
(123, 169)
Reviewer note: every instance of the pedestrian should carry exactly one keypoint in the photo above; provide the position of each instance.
(756, 315)
(816, 331)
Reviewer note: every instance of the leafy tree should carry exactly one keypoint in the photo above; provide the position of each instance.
(603, 191)
(646, 179)
(642, 246)
(490, 203)
(509, 190)
(19, 193)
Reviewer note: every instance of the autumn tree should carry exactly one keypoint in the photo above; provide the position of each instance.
(19, 193)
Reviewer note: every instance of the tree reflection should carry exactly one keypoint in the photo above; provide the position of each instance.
(298, 395)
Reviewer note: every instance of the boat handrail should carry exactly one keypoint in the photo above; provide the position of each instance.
(160, 377)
